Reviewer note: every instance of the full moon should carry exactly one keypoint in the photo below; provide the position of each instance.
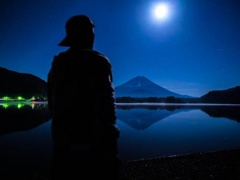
(161, 11)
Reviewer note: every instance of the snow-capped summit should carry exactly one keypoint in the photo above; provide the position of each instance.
(138, 82)
(141, 86)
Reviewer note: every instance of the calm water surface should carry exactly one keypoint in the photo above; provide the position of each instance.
(146, 132)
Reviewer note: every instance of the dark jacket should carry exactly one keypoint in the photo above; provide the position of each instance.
(81, 98)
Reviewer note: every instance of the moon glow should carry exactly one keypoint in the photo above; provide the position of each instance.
(161, 11)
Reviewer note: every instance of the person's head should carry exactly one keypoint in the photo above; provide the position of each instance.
(79, 32)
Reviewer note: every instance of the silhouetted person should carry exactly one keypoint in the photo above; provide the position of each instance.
(82, 104)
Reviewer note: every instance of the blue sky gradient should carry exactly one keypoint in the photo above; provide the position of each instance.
(196, 49)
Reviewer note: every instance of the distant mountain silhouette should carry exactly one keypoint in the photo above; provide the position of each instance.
(228, 96)
(15, 84)
(140, 86)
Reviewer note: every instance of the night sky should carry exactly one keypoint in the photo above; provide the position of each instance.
(191, 49)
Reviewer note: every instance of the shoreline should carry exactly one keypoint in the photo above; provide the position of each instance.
(210, 165)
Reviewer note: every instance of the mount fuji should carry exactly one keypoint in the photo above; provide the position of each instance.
(141, 86)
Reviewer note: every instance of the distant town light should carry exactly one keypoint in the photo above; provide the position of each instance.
(6, 98)
(20, 98)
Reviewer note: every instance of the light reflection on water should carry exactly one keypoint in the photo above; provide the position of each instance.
(178, 133)
(146, 132)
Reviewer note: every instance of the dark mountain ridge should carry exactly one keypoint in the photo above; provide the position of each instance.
(14, 84)
(227, 96)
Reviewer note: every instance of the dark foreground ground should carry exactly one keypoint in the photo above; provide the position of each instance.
(214, 165)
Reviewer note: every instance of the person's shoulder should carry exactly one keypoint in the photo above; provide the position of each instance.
(100, 56)
(59, 58)
(95, 56)
(96, 53)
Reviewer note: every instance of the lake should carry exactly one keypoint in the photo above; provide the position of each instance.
(147, 131)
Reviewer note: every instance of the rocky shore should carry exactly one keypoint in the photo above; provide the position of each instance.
(198, 166)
